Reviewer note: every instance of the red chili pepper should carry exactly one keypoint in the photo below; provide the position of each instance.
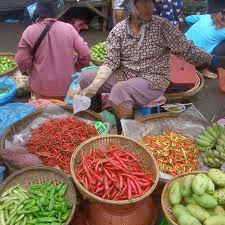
(55, 140)
(117, 173)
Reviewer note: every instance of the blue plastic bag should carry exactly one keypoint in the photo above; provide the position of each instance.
(74, 89)
(13, 112)
(7, 90)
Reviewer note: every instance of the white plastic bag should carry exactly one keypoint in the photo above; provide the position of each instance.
(81, 103)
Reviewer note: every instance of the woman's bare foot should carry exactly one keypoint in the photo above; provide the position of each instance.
(208, 74)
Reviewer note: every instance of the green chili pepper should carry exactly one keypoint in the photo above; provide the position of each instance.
(46, 219)
(66, 216)
(62, 190)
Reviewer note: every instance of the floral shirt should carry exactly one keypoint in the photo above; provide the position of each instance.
(151, 59)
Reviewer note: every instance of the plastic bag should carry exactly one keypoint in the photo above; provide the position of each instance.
(74, 89)
(13, 112)
(7, 89)
(21, 84)
(17, 157)
(81, 103)
(191, 123)
(50, 112)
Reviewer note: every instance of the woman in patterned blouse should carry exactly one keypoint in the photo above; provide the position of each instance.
(136, 69)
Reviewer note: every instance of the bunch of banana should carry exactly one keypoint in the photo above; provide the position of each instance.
(212, 145)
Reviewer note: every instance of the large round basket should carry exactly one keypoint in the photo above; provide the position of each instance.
(129, 144)
(39, 175)
(22, 124)
(97, 62)
(10, 56)
(181, 96)
(166, 206)
(158, 116)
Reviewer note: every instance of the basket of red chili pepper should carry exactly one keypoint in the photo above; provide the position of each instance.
(55, 139)
(114, 170)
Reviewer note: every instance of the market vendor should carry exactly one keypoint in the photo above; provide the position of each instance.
(52, 60)
(136, 69)
(212, 40)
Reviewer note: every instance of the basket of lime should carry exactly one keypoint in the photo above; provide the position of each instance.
(98, 53)
(7, 64)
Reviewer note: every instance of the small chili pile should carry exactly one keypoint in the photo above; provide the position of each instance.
(174, 152)
(114, 173)
(55, 140)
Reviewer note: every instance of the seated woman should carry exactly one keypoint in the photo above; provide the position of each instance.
(51, 62)
(136, 69)
(208, 32)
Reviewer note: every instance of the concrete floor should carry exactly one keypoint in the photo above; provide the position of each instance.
(210, 101)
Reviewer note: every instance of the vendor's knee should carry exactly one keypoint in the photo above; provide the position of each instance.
(86, 78)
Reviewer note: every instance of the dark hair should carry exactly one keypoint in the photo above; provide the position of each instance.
(219, 19)
(49, 8)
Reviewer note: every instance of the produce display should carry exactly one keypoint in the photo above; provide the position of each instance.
(6, 64)
(43, 204)
(199, 199)
(55, 140)
(114, 173)
(98, 52)
(174, 153)
(212, 145)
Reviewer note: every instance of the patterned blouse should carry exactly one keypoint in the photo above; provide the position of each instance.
(151, 59)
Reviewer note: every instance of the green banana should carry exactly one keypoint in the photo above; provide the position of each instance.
(222, 137)
(202, 149)
(216, 128)
(221, 128)
(221, 143)
(203, 137)
(208, 135)
(212, 132)
(219, 148)
(203, 143)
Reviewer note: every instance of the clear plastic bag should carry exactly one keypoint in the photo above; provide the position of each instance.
(191, 123)
(17, 157)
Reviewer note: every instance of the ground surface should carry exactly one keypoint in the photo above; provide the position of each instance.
(210, 101)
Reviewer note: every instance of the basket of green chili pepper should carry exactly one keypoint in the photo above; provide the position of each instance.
(39, 196)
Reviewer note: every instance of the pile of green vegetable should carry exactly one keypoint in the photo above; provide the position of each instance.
(212, 145)
(98, 52)
(199, 199)
(43, 204)
(6, 64)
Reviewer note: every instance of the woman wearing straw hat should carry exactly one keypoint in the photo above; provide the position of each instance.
(136, 69)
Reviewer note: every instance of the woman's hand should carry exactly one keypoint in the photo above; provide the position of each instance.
(89, 91)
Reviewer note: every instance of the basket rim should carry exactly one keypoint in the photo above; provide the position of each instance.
(158, 116)
(106, 201)
(188, 94)
(166, 188)
(13, 68)
(24, 170)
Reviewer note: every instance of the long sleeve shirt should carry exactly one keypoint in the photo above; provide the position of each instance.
(151, 60)
(204, 33)
(51, 69)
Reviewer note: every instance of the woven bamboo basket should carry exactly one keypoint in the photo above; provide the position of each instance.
(97, 62)
(22, 124)
(39, 175)
(158, 116)
(166, 206)
(10, 56)
(178, 97)
(129, 144)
